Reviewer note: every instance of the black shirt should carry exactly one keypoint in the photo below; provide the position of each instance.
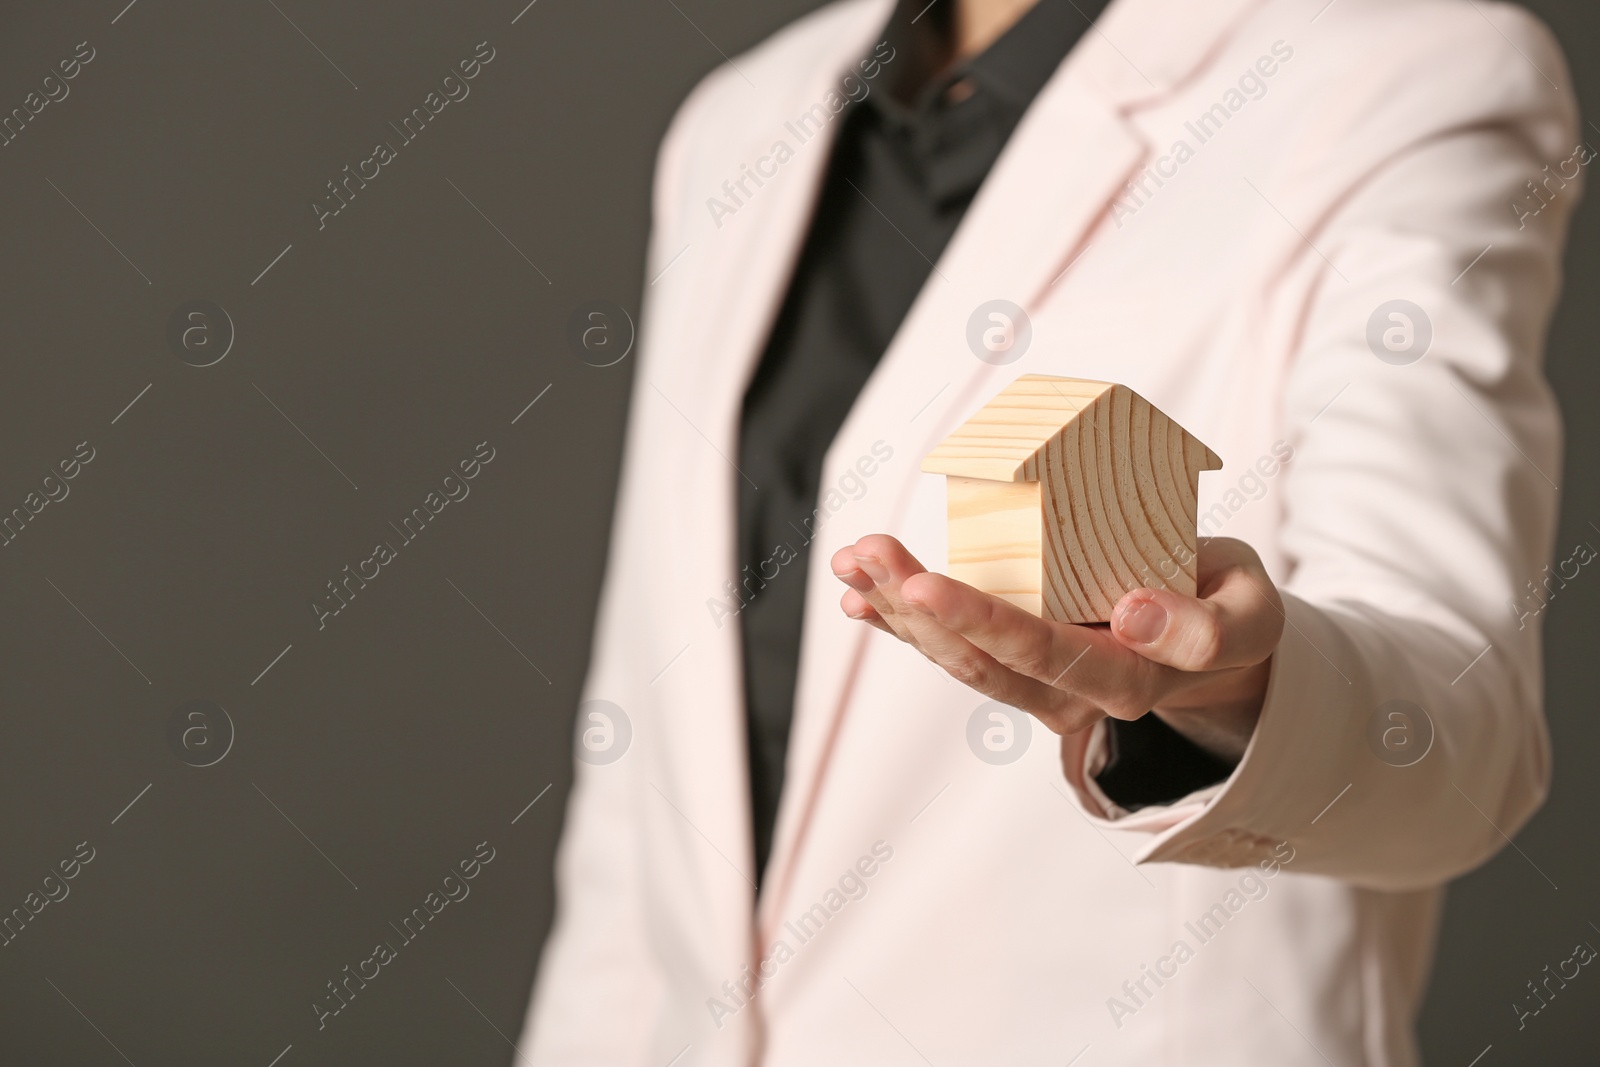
(909, 157)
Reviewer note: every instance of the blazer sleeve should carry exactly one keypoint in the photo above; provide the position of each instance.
(1402, 740)
(597, 992)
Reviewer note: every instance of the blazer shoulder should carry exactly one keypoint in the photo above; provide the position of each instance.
(1479, 52)
(1378, 77)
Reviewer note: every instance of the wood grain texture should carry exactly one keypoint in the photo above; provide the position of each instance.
(998, 441)
(1065, 494)
(996, 538)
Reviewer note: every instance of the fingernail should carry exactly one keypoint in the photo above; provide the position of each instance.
(1144, 622)
(861, 583)
(874, 568)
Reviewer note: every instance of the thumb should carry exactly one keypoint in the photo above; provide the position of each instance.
(1233, 627)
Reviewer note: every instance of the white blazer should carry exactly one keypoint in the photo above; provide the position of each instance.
(926, 905)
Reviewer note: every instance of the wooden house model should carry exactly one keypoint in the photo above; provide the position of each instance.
(1064, 494)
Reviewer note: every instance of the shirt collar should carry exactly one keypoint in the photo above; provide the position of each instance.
(1013, 69)
(1019, 63)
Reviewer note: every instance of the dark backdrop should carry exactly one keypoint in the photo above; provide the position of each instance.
(156, 612)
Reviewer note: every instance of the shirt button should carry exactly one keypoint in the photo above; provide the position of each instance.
(960, 90)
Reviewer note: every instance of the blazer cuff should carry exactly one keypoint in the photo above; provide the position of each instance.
(1278, 786)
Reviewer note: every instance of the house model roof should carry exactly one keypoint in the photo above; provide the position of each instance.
(1002, 440)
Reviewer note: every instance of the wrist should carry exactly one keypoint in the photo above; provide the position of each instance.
(1221, 715)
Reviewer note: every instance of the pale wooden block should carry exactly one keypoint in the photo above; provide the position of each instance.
(995, 538)
(1066, 494)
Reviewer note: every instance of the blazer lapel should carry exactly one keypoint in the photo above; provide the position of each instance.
(719, 314)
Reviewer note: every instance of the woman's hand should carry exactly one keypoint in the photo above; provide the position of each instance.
(1201, 663)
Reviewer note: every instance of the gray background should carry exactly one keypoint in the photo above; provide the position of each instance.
(428, 714)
